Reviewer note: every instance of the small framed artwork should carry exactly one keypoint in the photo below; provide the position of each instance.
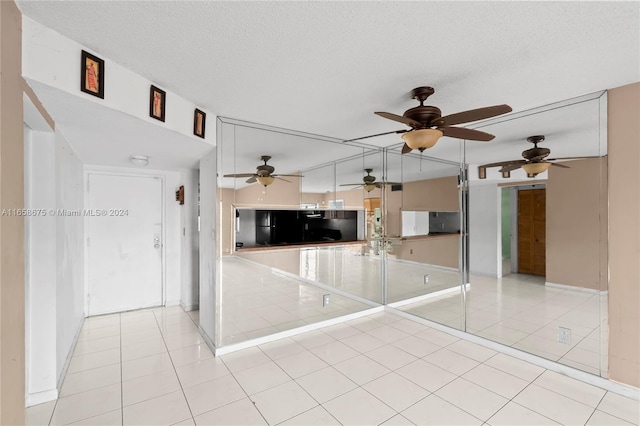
(199, 121)
(157, 99)
(92, 75)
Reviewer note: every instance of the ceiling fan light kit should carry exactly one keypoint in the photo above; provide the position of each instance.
(422, 138)
(265, 180)
(369, 187)
(536, 168)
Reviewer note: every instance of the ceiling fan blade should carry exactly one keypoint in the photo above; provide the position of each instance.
(572, 158)
(352, 184)
(381, 184)
(472, 115)
(406, 149)
(240, 175)
(279, 178)
(251, 179)
(287, 175)
(560, 165)
(504, 163)
(373, 136)
(400, 119)
(463, 133)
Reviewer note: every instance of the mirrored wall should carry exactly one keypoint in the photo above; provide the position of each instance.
(538, 245)
(344, 227)
(293, 247)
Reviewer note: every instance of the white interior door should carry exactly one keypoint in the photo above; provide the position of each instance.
(124, 243)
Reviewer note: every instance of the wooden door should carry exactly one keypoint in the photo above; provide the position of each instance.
(532, 232)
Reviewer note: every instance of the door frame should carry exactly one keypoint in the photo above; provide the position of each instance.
(514, 219)
(88, 171)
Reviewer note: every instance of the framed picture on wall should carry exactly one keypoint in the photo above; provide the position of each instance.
(199, 121)
(92, 75)
(157, 100)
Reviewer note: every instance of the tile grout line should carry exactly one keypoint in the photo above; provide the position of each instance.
(596, 408)
(173, 365)
(243, 389)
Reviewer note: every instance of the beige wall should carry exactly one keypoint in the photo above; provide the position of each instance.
(12, 374)
(577, 224)
(439, 194)
(439, 250)
(624, 233)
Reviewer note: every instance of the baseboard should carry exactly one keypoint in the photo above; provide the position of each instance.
(188, 308)
(485, 274)
(207, 340)
(294, 331)
(574, 288)
(67, 361)
(427, 296)
(428, 265)
(173, 303)
(41, 397)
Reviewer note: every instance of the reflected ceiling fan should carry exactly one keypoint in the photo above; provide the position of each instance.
(263, 174)
(428, 125)
(369, 182)
(535, 161)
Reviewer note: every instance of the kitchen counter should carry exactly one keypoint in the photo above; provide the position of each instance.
(300, 245)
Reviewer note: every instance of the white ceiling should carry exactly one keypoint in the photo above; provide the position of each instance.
(325, 67)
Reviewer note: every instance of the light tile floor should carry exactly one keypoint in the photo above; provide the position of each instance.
(150, 367)
(520, 311)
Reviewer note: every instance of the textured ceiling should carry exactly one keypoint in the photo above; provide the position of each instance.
(325, 67)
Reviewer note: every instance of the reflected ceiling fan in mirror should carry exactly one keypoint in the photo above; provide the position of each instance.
(535, 161)
(369, 182)
(263, 174)
(428, 125)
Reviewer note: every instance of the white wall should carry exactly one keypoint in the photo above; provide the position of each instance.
(54, 261)
(189, 240)
(172, 224)
(485, 242)
(54, 59)
(69, 251)
(41, 266)
(208, 225)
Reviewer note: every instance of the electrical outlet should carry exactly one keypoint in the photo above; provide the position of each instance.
(326, 299)
(564, 335)
(426, 279)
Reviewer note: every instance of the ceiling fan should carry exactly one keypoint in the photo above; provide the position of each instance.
(369, 182)
(263, 174)
(535, 161)
(428, 125)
